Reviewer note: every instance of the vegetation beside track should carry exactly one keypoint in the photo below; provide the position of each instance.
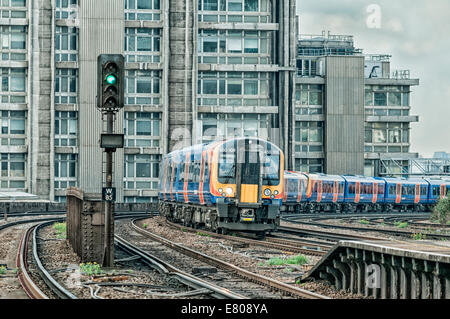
(441, 212)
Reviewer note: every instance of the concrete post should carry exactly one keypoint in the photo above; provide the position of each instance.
(426, 286)
(415, 285)
(337, 279)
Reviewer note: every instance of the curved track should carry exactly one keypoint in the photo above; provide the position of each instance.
(256, 278)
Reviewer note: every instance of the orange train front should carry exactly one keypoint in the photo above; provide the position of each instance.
(235, 184)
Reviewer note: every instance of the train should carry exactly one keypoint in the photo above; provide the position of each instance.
(231, 185)
(315, 193)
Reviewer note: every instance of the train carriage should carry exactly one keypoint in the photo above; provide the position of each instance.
(325, 192)
(295, 186)
(406, 194)
(438, 189)
(225, 185)
(363, 193)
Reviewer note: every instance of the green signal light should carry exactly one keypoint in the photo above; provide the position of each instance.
(111, 79)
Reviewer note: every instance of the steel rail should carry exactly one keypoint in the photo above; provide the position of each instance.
(268, 282)
(363, 229)
(56, 287)
(28, 285)
(166, 268)
(323, 234)
(267, 243)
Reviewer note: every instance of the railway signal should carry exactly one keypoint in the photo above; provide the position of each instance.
(110, 82)
(110, 99)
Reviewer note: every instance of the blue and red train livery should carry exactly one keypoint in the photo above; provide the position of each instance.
(319, 192)
(235, 184)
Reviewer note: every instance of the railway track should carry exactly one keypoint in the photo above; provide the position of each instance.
(327, 235)
(402, 233)
(258, 283)
(25, 277)
(302, 247)
(199, 286)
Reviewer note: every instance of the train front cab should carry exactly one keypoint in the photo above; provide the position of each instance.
(247, 184)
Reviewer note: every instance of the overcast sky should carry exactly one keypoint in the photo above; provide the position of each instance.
(416, 34)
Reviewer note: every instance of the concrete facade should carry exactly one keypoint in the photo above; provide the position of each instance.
(172, 62)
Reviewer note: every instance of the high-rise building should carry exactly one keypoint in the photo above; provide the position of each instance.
(195, 71)
(349, 111)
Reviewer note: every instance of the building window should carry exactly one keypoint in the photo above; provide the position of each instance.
(143, 87)
(13, 128)
(65, 170)
(14, 9)
(141, 171)
(387, 133)
(66, 39)
(220, 126)
(66, 86)
(66, 9)
(66, 128)
(13, 40)
(309, 165)
(247, 11)
(307, 68)
(234, 47)
(13, 171)
(142, 129)
(13, 85)
(309, 132)
(380, 99)
(140, 199)
(13, 80)
(142, 10)
(233, 89)
(143, 45)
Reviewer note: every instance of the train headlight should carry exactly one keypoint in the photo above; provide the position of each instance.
(267, 192)
(229, 191)
(275, 193)
(220, 190)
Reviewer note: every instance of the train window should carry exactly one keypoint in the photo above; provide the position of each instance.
(271, 169)
(227, 167)
(341, 188)
(206, 173)
(435, 191)
(392, 189)
(182, 170)
(423, 190)
(174, 176)
(351, 188)
(380, 190)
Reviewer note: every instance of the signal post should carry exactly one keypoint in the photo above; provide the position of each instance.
(110, 99)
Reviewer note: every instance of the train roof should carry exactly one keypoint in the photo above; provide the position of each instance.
(203, 146)
(325, 177)
(438, 181)
(20, 196)
(295, 175)
(394, 180)
(363, 179)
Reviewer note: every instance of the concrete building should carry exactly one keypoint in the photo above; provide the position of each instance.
(195, 70)
(349, 110)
